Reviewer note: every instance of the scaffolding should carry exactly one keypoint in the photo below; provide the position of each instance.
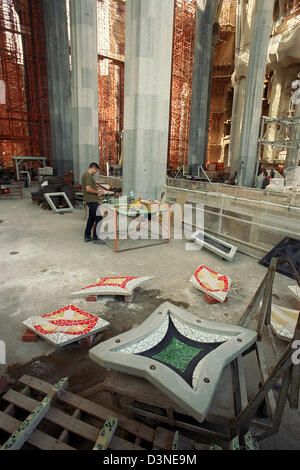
(284, 131)
(111, 50)
(24, 106)
(182, 79)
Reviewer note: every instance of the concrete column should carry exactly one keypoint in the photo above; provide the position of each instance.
(263, 20)
(59, 84)
(148, 58)
(274, 112)
(84, 56)
(244, 21)
(201, 88)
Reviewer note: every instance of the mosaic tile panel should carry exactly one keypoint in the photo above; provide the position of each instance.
(212, 283)
(178, 353)
(283, 321)
(66, 325)
(116, 285)
(296, 291)
(196, 334)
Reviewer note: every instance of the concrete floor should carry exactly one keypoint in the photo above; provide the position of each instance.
(44, 259)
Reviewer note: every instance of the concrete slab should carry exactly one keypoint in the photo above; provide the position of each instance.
(177, 352)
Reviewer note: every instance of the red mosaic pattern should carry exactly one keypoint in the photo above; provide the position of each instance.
(104, 282)
(221, 278)
(88, 322)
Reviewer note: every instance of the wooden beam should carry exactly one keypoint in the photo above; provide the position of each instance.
(37, 439)
(138, 429)
(20, 436)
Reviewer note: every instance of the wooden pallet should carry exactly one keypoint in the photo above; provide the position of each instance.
(85, 421)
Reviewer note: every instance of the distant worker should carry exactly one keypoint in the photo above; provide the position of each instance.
(91, 198)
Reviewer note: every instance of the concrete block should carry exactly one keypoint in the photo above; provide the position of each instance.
(3, 383)
(210, 300)
(91, 298)
(87, 341)
(28, 336)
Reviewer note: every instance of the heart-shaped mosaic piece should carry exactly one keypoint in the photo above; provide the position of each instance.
(212, 283)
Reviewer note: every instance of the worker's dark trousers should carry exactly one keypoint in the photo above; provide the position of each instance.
(93, 220)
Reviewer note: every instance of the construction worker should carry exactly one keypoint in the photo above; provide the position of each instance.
(91, 194)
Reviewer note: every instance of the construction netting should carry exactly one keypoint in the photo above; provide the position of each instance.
(24, 106)
(111, 50)
(182, 78)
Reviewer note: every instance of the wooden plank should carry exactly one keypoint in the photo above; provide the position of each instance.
(267, 297)
(236, 388)
(38, 438)
(295, 374)
(139, 389)
(138, 429)
(249, 412)
(254, 304)
(20, 436)
(270, 398)
(66, 421)
(163, 439)
(178, 424)
(65, 434)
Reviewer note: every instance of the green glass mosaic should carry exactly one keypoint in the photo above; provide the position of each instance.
(178, 354)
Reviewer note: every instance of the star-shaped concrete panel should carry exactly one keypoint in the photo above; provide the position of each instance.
(179, 353)
(112, 285)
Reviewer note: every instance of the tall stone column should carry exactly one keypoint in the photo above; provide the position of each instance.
(59, 84)
(84, 56)
(148, 58)
(272, 133)
(263, 20)
(201, 88)
(244, 21)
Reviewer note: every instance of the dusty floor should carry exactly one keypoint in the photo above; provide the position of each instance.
(44, 259)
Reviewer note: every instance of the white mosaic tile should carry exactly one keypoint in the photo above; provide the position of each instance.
(283, 321)
(296, 291)
(212, 283)
(66, 325)
(113, 285)
(196, 334)
(148, 342)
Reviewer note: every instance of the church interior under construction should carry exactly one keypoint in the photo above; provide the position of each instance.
(148, 299)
